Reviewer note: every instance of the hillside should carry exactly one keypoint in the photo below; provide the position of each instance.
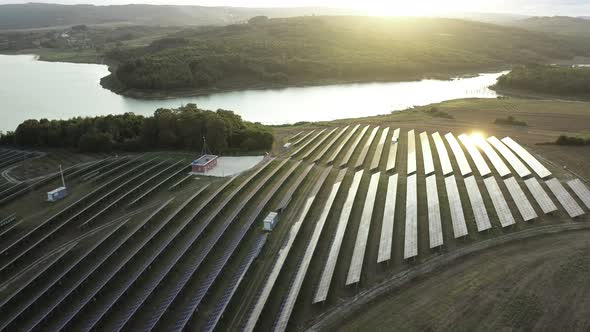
(36, 15)
(570, 26)
(547, 79)
(318, 50)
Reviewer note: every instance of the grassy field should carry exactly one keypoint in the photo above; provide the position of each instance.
(546, 120)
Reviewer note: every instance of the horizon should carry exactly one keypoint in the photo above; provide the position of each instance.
(573, 8)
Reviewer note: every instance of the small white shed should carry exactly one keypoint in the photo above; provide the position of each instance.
(57, 194)
(270, 221)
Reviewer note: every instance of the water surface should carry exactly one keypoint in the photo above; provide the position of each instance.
(31, 89)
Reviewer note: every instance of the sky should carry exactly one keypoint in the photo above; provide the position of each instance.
(383, 7)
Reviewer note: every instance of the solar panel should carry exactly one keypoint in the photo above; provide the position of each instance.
(159, 184)
(565, 199)
(363, 155)
(443, 155)
(327, 147)
(540, 195)
(426, 154)
(379, 151)
(46, 233)
(61, 276)
(512, 159)
(385, 243)
(291, 298)
(306, 144)
(328, 271)
(494, 158)
(299, 141)
(194, 261)
(234, 283)
(295, 136)
(522, 203)
(360, 246)
(477, 158)
(281, 257)
(434, 222)
(528, 158)
(80, 296)
(353, 147)
(457, 216)
(464, 167)
(311, 150)
(136, 264)
(479, 209)
(411, 234)
(411, 152)
(292, 188)
(391, 159)
(581, 191)
(342, 144)
(499, 202)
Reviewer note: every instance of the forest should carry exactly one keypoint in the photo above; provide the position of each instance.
(182, 128)
(548, 79)
(317, 50)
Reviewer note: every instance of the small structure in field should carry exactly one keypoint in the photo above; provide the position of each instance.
(270, 221)
(205, 163)
(59, 193)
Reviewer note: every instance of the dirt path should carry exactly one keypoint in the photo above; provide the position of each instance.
(533, 282)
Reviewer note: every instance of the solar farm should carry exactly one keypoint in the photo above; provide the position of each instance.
(143, 245)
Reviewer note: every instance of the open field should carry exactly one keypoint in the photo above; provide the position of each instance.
(119, 253)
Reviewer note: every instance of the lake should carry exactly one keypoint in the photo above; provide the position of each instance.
(31, 89)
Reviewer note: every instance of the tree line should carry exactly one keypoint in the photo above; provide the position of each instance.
(181, 128)
(550, 79)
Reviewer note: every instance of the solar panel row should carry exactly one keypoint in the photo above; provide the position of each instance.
(269, 283)
(565, 199)
(234, 283)
(512, 159)
(379, 151)
(411, 235)
(411, 152)
(464, 167)
(75, 297)
(499, 202)
(329, 145)
(300, 140)
(317, 144)
(158, 185)
(120, 280)
(360, 246)
(494, 158)
(426, 154)
(353, 147)
(385, 243)
(178, 251)
(434, 221)
(365, 150)
(44, 234)
(581, 191)
(457, 216)
(342, 144)
(540, 195)
(392, 158)
(304, 145)
(479, 209)
(443, 155)
(328, 271)
(293, 187)
(522, 203)
(528, 158)
(48, 281)
(289, 301)
(480, 163)
(190, 303)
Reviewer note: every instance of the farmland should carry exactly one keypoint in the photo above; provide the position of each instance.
(138, 245)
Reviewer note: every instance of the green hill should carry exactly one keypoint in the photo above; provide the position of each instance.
(317, 50)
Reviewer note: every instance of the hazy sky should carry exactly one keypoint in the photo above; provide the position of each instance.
(384, 7)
